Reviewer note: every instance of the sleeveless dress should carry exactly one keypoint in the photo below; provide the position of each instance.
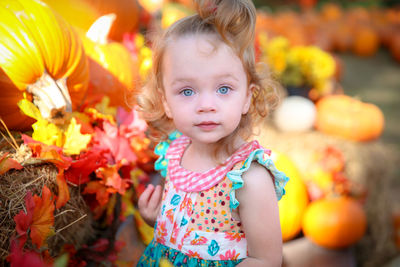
(195, 226)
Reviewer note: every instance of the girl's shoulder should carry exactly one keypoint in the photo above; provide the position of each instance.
(261, 156)
(167, 149)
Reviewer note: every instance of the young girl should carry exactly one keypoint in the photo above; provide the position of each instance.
(218, 206)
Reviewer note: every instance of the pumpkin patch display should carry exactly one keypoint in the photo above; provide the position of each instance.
(293, 204)
(112, 69)
(349, 118)
(41, 59)
(334, 222)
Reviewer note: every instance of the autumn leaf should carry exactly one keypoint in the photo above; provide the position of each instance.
(29, 109)
(130, 124)
(63, 192)
(23, 220)
(18, 257)
(104, 108)
(101, 191)
(84, 121)
(109, 138)
(112, 178)
(47, 153)
(97, 117)
(47, 133)
(43, 217)
(7, 164)
(80, 169)
(75, 142)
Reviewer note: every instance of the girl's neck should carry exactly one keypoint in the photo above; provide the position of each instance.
(201, 157)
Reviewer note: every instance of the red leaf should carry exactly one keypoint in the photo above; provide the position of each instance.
(80, 169)
(19, 258)
(6, 164)
(109, 139)
(43, 217)
(24, 220)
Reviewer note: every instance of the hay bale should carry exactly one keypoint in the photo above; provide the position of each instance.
(73, 222)
(370, 164)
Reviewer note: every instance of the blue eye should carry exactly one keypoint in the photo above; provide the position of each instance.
(187, 92)
(224, 90)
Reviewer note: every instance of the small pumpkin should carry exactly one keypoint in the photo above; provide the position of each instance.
(112, 68)
(349, 118)
(293, 204)
(295, 114)
(334, 223)
(366, 41)
(41, 59)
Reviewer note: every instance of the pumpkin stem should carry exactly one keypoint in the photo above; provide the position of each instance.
(51, 97)
(100, 29)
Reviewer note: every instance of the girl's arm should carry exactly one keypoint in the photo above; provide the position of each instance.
(149, 203)
(259, 214)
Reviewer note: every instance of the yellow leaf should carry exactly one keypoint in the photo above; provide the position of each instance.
(47, 133)
(75, 142)
(29, 109)
(103, 107)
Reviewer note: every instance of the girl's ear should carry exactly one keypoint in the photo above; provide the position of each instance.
(166, 107)
(249, 96)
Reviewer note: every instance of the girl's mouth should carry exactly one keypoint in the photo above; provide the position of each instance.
(207, 125)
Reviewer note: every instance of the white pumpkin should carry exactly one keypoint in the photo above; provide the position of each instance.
(295, 114)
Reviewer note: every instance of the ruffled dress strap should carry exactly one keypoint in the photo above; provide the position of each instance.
(262, 156)
(161, 149)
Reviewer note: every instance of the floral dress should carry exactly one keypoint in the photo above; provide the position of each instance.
(195, 226)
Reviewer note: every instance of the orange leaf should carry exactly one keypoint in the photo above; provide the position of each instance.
(112, 178)
(47, 153)
(43, 217)
(6, 164)
(98, 188)
(63, 192)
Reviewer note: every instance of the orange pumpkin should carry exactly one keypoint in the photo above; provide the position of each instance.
(42, 59)
(112, 69)
(293, 204)
(334, 222)
(366, 41)
(394, 46)
(349, 118)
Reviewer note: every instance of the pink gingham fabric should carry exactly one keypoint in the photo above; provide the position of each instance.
(190, 181)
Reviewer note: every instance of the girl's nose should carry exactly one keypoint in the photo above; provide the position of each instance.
(206, 103)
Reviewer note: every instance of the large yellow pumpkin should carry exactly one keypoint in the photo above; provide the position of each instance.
(41, 58)
(83, 13)
(349, 118)
(113, 71)
(294, 202)
(334, 222)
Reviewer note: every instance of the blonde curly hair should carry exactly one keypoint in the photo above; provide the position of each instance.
(232, 22)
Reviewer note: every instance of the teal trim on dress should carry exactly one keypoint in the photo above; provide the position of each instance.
(262, 158)
(161, 149)
(155, 252)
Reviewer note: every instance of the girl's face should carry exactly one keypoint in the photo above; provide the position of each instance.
(206, 90)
